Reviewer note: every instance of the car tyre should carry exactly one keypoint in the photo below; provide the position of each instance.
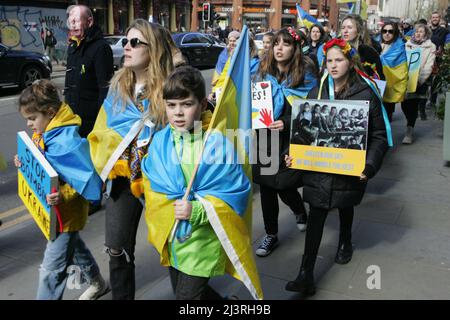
(29, 75)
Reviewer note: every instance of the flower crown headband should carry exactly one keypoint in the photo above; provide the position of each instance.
(294, 34)
(341, 44)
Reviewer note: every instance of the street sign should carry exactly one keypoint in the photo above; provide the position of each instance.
(36, 179)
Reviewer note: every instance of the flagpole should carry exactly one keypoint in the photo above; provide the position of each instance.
(191, 182)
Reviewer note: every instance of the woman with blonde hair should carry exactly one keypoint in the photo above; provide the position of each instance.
(130, 114)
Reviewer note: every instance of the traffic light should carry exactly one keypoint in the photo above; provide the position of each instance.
(206, 11)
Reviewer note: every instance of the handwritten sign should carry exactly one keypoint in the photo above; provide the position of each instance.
(36, 179)
(414, 61)
(329, 136)
(262, 104)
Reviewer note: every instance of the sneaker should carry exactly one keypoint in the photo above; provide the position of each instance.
(301, 221)
(97, 288)
(268, 244)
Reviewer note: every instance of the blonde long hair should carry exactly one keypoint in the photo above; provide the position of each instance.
(159, 67)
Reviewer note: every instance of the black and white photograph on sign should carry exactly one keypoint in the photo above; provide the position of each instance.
(333, 124)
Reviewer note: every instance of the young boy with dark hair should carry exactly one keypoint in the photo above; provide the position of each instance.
(201, 247)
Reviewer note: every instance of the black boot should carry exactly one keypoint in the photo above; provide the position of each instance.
(304, 283)
(344, 253)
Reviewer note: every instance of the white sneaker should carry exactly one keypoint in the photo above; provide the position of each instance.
(97, 288)
(408, 139)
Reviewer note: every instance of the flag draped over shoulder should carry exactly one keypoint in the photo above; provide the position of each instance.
(220, 65)
(395, 69)
(68, 154)
(281, 91)
(222, 185)
(304, 19)
(115, 128)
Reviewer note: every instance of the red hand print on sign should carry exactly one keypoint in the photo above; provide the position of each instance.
(266, 116)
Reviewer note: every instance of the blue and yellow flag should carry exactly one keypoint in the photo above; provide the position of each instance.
(220, 65)
(233, 112)
(116, 126)
(304, 19)
(222, 184)
(395, 69)
(68, 154)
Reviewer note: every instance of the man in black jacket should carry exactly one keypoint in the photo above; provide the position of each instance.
(89, 70)
(89, 67)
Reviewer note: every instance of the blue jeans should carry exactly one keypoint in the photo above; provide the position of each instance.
(66, 250)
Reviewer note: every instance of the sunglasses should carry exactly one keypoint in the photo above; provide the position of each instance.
(133, 42)
(391, 31)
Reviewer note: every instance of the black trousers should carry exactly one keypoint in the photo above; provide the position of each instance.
(123, 212)
(410, 108)
(270, 208)
(390, 108)
(188, 287)
(316, 223)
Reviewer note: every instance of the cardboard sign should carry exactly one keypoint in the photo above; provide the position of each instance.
(329, 136)
(414, 61)
(36, 179)
(262, 104)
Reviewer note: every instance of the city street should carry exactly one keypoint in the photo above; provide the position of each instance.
(401, 231)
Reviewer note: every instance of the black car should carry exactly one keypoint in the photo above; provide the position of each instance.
(22, 67)
(198, 49)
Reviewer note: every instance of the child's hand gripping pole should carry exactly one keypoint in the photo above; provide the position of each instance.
(189, 187)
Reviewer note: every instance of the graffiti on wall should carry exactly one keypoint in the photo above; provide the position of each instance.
(21, 27)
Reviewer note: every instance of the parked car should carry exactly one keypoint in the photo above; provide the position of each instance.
(198, 49)
(115, 43)
(22, 68)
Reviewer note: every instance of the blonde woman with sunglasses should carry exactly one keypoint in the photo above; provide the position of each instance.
(130, 114)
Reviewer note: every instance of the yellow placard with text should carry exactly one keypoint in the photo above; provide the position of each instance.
(34, 206)
(329, 160)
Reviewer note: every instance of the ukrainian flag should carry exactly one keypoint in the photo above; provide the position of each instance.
(395, 69)
(116, 126)
(220, 65)
(222, 186)
(304, 19)
(68, 154)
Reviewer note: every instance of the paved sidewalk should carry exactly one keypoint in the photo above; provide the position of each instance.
(402, 226)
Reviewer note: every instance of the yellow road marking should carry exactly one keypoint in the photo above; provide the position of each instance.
(10, 224)
(12, 212)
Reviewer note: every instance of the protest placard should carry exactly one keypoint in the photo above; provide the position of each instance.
(414, 61)
(329, 136)
(262, 104)
(36, 179)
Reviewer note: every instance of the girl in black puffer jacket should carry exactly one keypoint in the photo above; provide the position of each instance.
(325, 191)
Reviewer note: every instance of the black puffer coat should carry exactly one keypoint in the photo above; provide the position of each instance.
(89, 70)
(327, 191)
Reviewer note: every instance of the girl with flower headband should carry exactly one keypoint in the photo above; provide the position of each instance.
(292, 75)
(325, 191)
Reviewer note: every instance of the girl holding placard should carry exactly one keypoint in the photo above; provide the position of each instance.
(292, 75)
(325, 191)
